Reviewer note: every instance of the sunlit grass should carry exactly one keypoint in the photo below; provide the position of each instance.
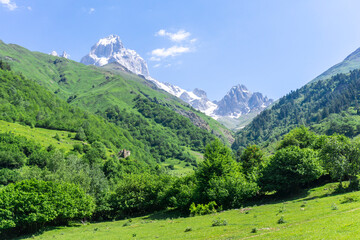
(309, 216)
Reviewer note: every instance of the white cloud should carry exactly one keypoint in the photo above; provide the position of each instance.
(179, 36)
(165, 56)
(29, 8)
(155, 59)
(9, 4)
(92, 10)
(167, 52)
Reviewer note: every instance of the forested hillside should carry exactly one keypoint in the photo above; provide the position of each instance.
(326, 106)
(96, 89)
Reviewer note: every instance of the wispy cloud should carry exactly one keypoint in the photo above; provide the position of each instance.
(178, 36)
(9, 4)
(182, 43)
(155, 59)
(91, 10)
(167, 52)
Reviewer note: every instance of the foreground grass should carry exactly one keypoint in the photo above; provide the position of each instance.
(318, 214)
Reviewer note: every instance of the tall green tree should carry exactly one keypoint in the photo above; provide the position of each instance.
(220, 178)
(341, 157)
(291, 168)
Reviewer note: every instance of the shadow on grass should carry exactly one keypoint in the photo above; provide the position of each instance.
(41, 231)
(300, 194)
(169, 214)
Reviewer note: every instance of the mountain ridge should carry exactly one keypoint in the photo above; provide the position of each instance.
(110, 49)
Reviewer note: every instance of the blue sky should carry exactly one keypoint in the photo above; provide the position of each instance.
(270, 46)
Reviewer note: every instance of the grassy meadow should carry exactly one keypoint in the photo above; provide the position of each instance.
(319, 213)
(44, 137)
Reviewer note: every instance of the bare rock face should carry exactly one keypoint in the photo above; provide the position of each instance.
(111, 49)
(240, 101)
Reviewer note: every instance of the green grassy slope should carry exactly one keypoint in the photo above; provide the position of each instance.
(316, 214)
(95, 88)
(26, 102)
(43, 136)
(351, 62)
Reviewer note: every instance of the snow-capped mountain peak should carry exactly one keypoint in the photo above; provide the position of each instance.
(111, 49)
(65, 55)
(238, 101)
(54, 53)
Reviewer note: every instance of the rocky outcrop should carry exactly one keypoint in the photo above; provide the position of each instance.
(195, 119)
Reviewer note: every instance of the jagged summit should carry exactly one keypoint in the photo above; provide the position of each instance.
(65, 55)
(111, 49)
(240, 101)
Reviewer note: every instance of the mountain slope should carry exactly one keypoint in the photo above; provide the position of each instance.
(110, 51)
(351, 62)
(28, 103)
(327, 106)
(317, 105)
(99, 89)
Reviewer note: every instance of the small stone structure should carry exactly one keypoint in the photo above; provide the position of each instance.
(124, 153)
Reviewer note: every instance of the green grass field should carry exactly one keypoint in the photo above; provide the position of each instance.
(43, 136)
(316, 214)
(182, 168)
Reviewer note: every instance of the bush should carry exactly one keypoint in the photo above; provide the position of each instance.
(350, 199)
(202, 209)
(188, 229)
(281, 220)
(57, 137)
(219, 222)
(334, 206)
(31, 204)
(139, 194)
(8, 176)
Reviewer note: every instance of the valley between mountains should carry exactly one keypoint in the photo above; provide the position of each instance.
(100, 149)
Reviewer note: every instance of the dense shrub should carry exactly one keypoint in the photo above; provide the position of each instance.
(220, 178)
(29, 205)
(138, 194)
(291, 168)
(202, 209)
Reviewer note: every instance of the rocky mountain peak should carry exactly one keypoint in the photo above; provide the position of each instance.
(239, 101)
(200, 93)
(65, 55)
(111, 49)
